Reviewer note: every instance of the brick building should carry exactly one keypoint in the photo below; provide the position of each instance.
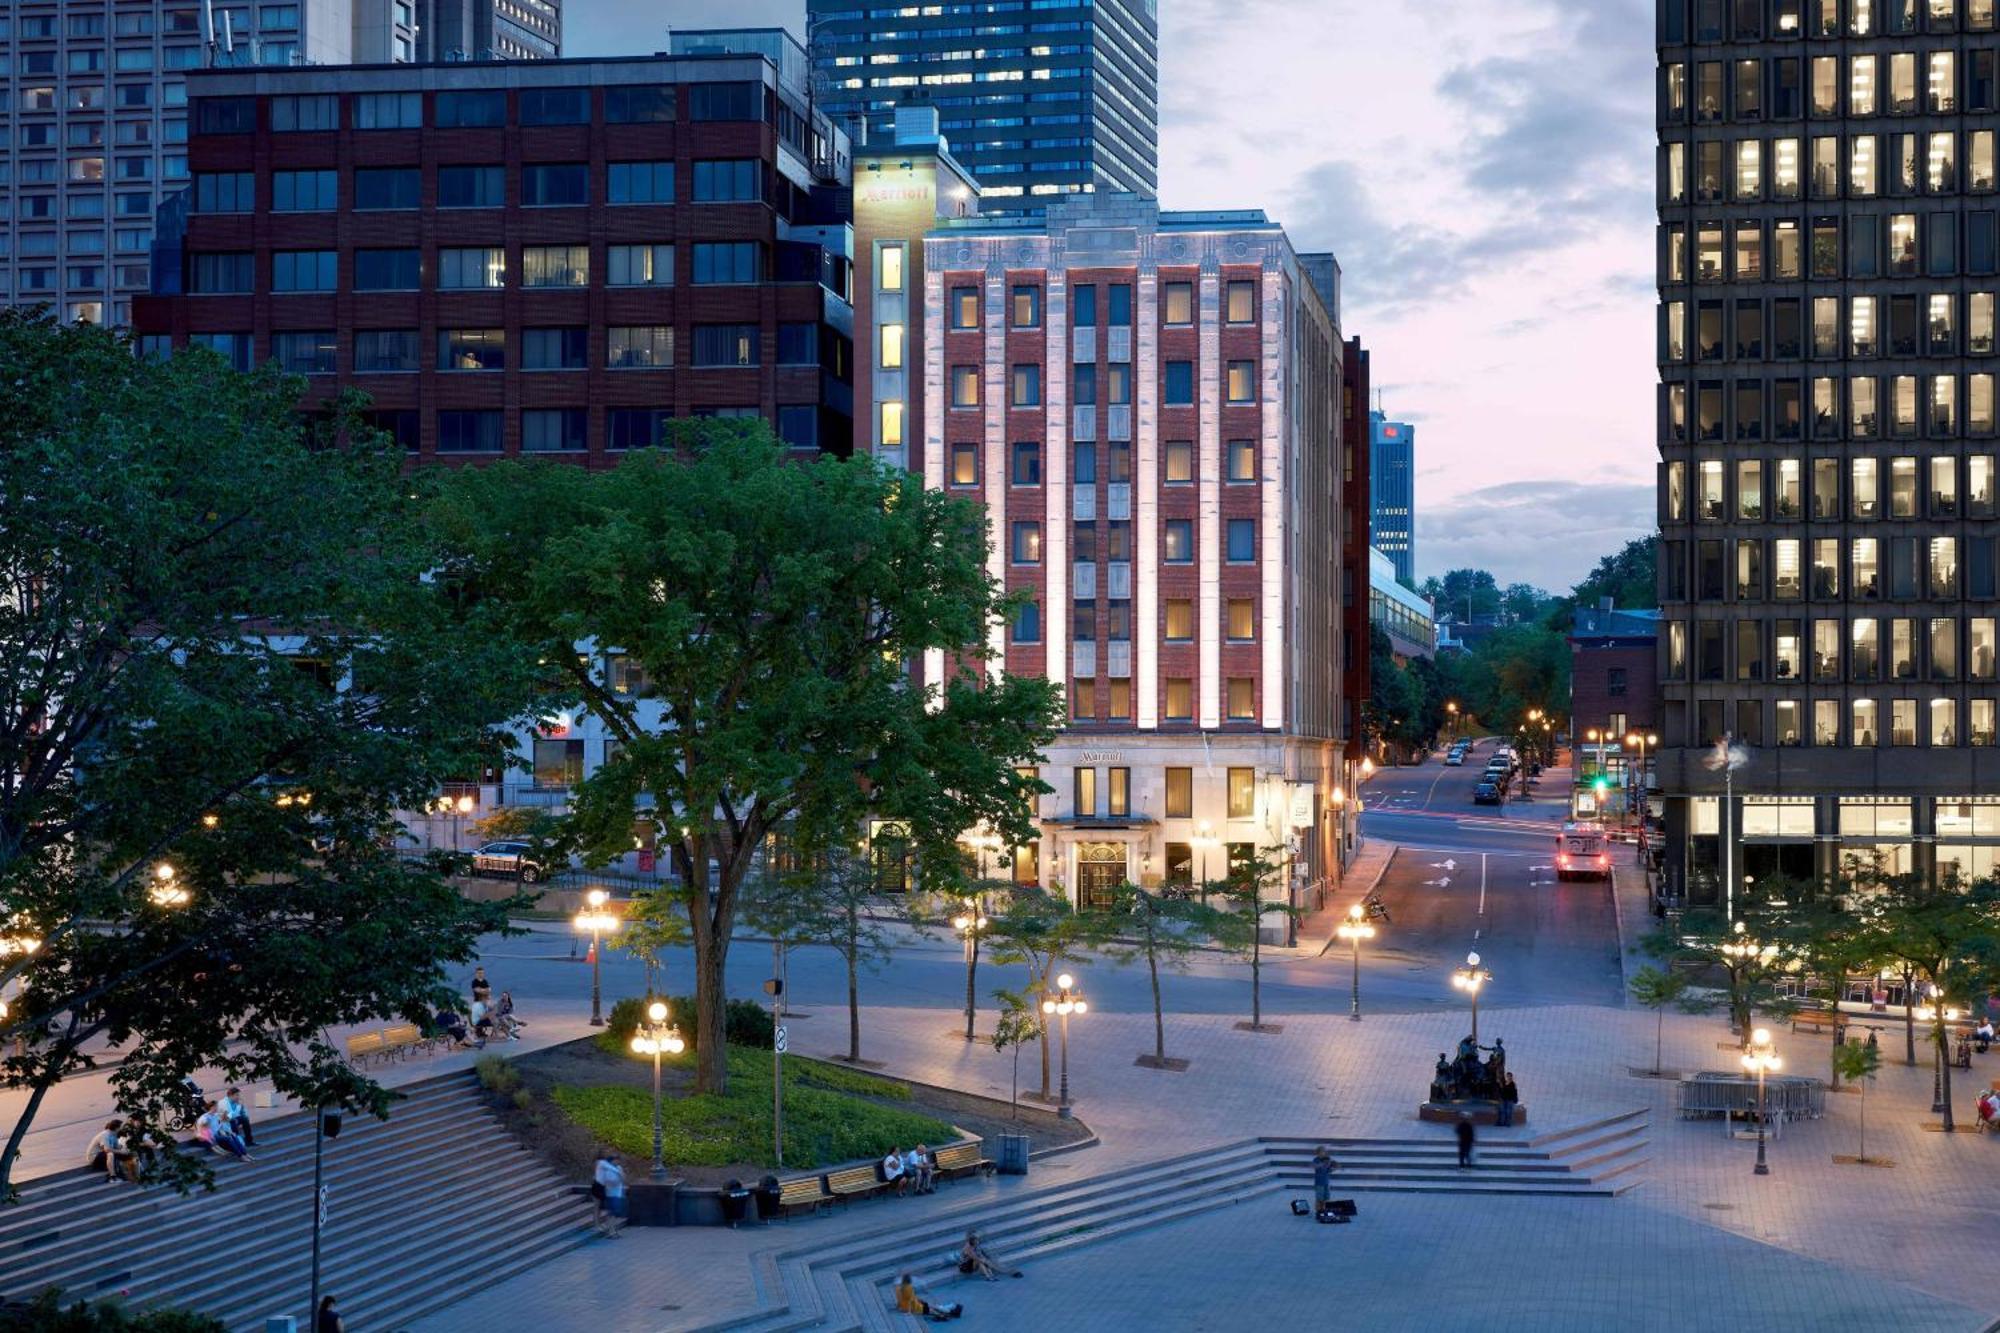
(545, 257)
(1614, 701)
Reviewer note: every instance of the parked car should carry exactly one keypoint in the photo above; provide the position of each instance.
(1487, 793)
(1455, 759)
(508, 860)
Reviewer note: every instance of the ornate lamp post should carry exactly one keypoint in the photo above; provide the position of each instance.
(970, 925)
(1761, 1058)
(167, 890)
(595, 921)
(656, 1037)
(1354, 930)
(1469, 979)
(1068, 1000)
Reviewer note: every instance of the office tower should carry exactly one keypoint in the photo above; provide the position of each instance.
(94, 95)
(1037, 100)
(491, 30)
(551, 257)
(1829, 264)
(1392, 522)
(1149, 406)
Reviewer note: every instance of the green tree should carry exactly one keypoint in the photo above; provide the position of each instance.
(1656, 988)
(655, 922)
(771, 607)
(218, 654)
(1754, 961)
(1395, 705)
(1163, 933)
(1241, 929)
(1020, 1022)
(826, 903)
(1043, 931)
(1463, 592)
(1626, 577)
(1856, 1061)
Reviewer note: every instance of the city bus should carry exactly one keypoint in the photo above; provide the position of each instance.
(1582, 852)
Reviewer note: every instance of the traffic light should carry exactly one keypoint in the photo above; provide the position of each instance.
(1600, 784)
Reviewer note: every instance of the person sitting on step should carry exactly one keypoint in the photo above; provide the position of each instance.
(973, 1258)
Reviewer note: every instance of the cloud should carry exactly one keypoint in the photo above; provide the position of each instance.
(1549, 532)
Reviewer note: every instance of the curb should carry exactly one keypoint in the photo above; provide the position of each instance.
(1373, 884)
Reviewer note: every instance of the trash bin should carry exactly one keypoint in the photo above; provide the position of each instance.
(1012, 1155)
(769, 1193)
(653, 1204)
(735, 1203)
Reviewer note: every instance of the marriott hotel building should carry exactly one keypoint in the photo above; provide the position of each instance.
(1829, 268)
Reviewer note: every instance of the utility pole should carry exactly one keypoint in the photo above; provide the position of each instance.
(776, 986)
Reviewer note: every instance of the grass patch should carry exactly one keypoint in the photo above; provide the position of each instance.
(825, 1120)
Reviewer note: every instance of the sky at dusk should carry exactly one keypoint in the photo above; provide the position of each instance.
(1483, 169)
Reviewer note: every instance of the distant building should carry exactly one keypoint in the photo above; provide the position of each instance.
(1614, 695)
(1405, 617)
(490, 29)
(1062, 100)
(1392, 477)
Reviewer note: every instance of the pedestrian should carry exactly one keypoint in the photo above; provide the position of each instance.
(1465, 1136)
(1509, 1095)
(213, 1129)
(973, 1258)
(607, 1186)
(107, 1149)
(1323, 1168)
(238, 1116)
(328, 1319)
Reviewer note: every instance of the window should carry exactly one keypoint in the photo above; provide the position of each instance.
(1242, 303)
(639, 347)
(469, 432)
(1121, 304)
(892, 421)
(1028, 622)
(219, 115)
(1177, 541)
(1179, 462)
(316, 111)
(555, 349)
(1178, 390)
(798, 344)
(889, 348)
(472, 267)
(636, 427)
(641, 183)
(722, 101)
(1179, 305)
(303, 270)
(555, 106)
(965, 386)
(304, 353)
(1027, 307)
(1085, 780)
(472, 349)
(1120, 786)
(890, 275)
(1027, 463)
(387, 270)
(738, 345)
(555, 266)
(1027, 386)
(1241, 694)
(385, 351)
(554, 184)
(733, 180)
(725, 261)
(1242, 381)
(964, 463)
(390, 111)
(1242, 618)
(383, 187)
(233, 348)
(640, 265)
(1243, 460)
(225, 192)
(1242, 793)
(1179, 614)
(1083, 306)
(308, 191)
(1242, 540)
(555, 430)
(1179, 699)
(1180, 793)
(965, 307)
(473, 187)
(471, 110)
(1027, 543)
(640, 103)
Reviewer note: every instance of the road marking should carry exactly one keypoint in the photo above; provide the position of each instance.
(1441, 882)
(1482, 887)
(1451, 863)
(1431, 795)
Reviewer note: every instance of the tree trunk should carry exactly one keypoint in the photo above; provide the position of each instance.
(12, 1152)
(1944, 1062)
(1159, 1020)
(971, 991)
(1256, 965)
(1909, 1019)
(1864, 1120)
(853, 1008)
(711, 1064)
(1042, 1024)
(1659, 1035)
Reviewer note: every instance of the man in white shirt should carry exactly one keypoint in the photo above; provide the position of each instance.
(607, 1186)
(238, 1116)
(917, 1165)
(892, 1170)
(109, 1151)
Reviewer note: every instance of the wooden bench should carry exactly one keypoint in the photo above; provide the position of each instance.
(962, 1159)
(808, 1192)
(403, 1038)
(855, 1182)
(364, 1046)
(1818, 1020)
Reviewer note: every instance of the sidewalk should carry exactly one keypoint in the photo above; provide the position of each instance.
(1364, 872)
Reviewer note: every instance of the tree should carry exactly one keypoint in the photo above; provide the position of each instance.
(1043, 931)
(222, 673)
(1464, 592)
(827, 903)
(1855, 1061)
(1020, 1022)
(1242, 929)
(1165, 932)
(1753, 960)
(1656, 988)
(655, 922)
(1626, 577)
(766, 609)
(1394, 707)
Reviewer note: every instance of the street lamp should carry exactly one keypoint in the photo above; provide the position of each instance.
(970, 924)
(594, 919)
(166, 890)
(656, 1037)
(1761, 1058)
(1451, 707)
(1354, 930)
(1068, 1000)
(1639, 741)
(1203, 839)
(1469, 979)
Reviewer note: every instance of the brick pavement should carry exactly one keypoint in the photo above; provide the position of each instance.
(1860, 1246)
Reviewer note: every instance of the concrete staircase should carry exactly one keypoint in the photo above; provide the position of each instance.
(844, 1283)
(423, 1209)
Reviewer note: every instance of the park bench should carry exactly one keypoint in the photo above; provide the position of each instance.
(1818, 1020)
(807, 1192)
(365, 1046)
(855, 1182)
(403, 1038)
(962, 1159)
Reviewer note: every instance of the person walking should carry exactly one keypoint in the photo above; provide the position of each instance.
(1323, 1168)
(238, 1116)
(607, 1186)
(1465, 1137)
(328, 1319)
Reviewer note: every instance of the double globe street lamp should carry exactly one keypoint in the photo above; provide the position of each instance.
(597, 922)
(1761, 1059)
(1355, 929)
(1068, 1000)
(656, 1037)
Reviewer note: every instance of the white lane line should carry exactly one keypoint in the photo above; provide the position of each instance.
(1482, 896)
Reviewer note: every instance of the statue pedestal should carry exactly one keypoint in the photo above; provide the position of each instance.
(1480, 1113)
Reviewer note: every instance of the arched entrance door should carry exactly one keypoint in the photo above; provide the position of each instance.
(1100, 869)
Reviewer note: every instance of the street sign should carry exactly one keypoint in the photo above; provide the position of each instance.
(323, 1190)
(780, 1040)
